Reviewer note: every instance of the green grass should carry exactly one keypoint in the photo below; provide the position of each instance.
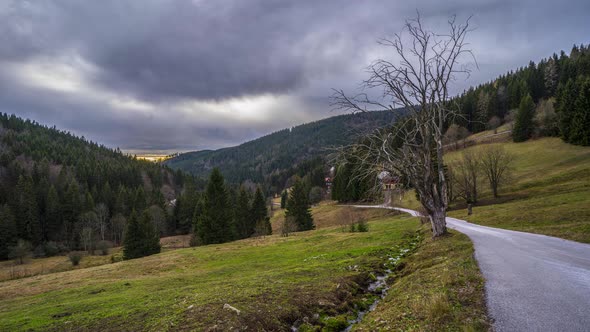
(272, 280)
(549, 192)
(439, 288)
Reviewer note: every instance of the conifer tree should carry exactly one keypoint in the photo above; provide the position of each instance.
(52, 214)
(141, 238)
(565, 104)
(523, 126)
(243, 222)
(215, 224)
(259, 214)
(151, 236)
(28, 223)
(580, 124)
(298, 207)
(284, 197)
(8, 232)
(88, 202)
(133, 238)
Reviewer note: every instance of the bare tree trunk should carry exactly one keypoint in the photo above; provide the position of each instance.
(439, 223)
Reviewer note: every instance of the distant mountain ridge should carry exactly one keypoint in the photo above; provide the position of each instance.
(260, 159)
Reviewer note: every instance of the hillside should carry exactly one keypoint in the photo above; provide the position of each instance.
(55, 186)
(274, 282)
(268, 158)
(548, 192)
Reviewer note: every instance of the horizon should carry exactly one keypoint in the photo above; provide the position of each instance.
(165, 78)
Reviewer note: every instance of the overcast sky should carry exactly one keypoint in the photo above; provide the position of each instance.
(165, 76)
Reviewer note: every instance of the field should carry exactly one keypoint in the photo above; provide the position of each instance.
(548, 191)
(272, 281)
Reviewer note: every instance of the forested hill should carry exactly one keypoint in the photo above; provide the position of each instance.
(53, 185)
(268, 159)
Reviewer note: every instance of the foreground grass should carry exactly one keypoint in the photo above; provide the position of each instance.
(273, 281)
(549, 192)
(439, 288)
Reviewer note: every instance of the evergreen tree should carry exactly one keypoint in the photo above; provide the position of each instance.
(28, 223)
(141, 238)
(215, 224)
(8, 232)
(298, 207)
(284, 197)
(151, 236)
(133, 238)
(259, 214)
(88, 202)
(580, 124)
(52, 215)
(523, 125)
(565, 104)
(244, 228)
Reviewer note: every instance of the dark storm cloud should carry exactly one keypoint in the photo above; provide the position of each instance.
(154, 74)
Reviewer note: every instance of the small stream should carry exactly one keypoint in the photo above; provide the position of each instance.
(379, 287)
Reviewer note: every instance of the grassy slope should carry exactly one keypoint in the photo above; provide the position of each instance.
(549, 192)
(272, 280)
(439, 289)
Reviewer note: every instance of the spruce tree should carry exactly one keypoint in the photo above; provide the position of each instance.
(243, 222)
(151, 236)
(298, 207)
(523, 126)
(8, 233)
(284, 197)
(215, 224)
(52, 214)
(580, 125)
(28, 222)
(565, 104)
(259, 214)
(133, 238)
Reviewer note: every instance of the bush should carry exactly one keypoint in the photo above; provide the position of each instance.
(103, 247)
(39, 251)
(51, 249)
(75, 258)
(362, 226)
(20, 252)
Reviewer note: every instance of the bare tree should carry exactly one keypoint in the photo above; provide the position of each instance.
(102, 213)
(466, 173)
(494, 123)
(454, 134)
(118, 226)
(88, 227)
(419, 82)
(496, 163)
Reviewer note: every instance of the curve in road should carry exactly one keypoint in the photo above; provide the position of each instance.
(533, 282)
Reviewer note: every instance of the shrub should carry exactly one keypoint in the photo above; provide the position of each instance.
(75, 258)
(51, 249)
(39, 251)
(20, 252)
(362, 225)
(103, 247)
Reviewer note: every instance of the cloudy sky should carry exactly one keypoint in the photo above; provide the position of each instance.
(164, 76)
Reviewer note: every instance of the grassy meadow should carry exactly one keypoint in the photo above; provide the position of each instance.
(548, 191)
(273, 281)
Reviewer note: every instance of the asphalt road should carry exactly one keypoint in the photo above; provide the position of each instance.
(533, 282)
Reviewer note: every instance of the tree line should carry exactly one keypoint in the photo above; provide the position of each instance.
(549, 98)
(59, 192)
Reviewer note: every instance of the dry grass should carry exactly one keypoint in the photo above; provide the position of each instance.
(439, 288)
